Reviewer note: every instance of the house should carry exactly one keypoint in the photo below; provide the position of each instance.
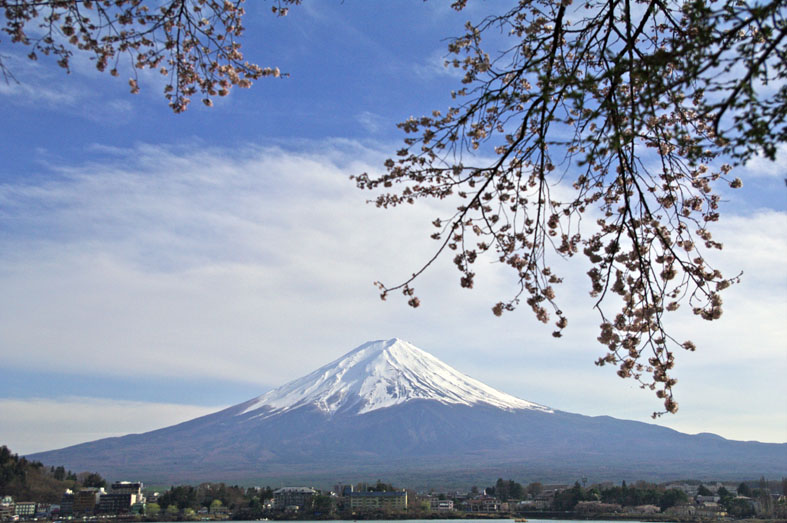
(710, 509)
(441, 505)
(482, 504)
(220, 511)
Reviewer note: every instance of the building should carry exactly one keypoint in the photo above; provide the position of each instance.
(123, 496)
(220, 511)
(373, 501)
(293, 498)
(25, 509)
(343, 490)
(484, 504)
(6, 508)
(128, 487)
(67, 503)
(44, 510)
(710, 510)
(86, 500)
(441, 505)
(115, 503)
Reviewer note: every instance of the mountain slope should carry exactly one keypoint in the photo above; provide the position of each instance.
(381, 374)
(387, 409)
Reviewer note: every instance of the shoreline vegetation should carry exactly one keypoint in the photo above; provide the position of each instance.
(440, 517)
(30, 491)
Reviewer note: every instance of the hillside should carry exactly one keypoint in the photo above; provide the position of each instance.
(31, 480)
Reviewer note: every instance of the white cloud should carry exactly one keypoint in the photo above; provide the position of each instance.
(256, 264)
(34, 425)
(761, 167)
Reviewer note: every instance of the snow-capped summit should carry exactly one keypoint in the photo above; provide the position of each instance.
(381, 374)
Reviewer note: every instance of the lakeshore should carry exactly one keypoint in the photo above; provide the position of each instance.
(565, 517)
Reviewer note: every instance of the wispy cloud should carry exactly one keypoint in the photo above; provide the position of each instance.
(34, 425)
(34, 85)
(434, 66)
(40, 87)
(372, 122)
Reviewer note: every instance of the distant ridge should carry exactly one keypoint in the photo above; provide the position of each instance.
(389, 409)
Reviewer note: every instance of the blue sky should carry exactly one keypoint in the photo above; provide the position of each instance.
(156, 267)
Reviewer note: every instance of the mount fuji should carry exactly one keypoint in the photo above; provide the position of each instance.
(389, 409)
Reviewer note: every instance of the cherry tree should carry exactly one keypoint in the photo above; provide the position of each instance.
(601, 129)
(194, 44)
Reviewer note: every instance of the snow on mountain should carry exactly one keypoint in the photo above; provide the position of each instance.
(381, 374)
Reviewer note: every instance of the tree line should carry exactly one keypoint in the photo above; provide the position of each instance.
(23, 479)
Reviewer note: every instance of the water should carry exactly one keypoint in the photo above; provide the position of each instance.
(461, 520)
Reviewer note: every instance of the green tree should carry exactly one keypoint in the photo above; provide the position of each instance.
(702, 490)
(93, 479)
(741, 508)
(500, 490)
(744, 490)
(534, 489)
(515, 490)
(59, 473)
(322, 505)
(764, 496)
(152, 509)
(23, 479)
(672, 497)
(505, 490)
(381, 486)
(566, 500)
